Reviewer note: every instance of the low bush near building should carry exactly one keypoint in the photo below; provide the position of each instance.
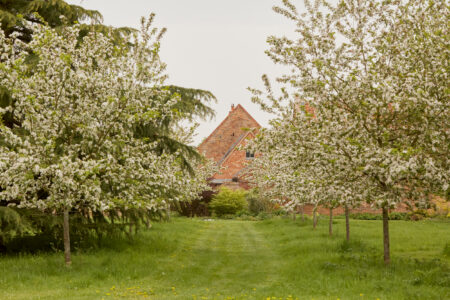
(228, 202)
(415, 215)
(371, 216)
(258, 204)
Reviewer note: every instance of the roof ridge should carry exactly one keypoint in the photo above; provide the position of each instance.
(239, 105)
(223, 121)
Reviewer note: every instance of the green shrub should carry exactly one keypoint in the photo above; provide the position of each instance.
(228, 202)
(417, 215)
(373, 216)
(257, 204)
(243, 213)
(11, 225)
(366, 216)
(398, 216)
(279, 212)
(264, 215)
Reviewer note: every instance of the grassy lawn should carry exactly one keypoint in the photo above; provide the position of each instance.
(280, 259)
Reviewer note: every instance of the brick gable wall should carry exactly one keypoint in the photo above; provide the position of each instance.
(235, 161)
(219, 142)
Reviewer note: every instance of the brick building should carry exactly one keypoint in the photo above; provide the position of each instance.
(223, 147)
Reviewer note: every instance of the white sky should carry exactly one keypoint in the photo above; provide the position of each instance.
(216, 45)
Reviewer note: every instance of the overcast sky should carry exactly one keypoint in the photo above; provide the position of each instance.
(214, 45)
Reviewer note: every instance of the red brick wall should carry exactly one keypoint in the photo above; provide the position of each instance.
(234, 162)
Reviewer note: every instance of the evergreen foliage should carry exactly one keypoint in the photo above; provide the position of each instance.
(14, 14)
(11, 225)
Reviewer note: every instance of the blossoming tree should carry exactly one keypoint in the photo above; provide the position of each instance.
(375, 73)
(298, 168)
(81, 108)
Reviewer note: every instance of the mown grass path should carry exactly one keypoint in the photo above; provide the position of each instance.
(227, 259)
(183, 259)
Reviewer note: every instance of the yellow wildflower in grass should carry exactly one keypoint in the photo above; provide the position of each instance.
(361, 294)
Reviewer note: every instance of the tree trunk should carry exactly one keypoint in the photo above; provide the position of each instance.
(168, 212)
(314, 218)
(347, 224)
(330, 227)
(66, 238)
(387, 255)
(303, 215)
(147, 221)
(294, 215)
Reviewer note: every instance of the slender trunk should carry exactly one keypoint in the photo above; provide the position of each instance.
(314, 218)
(168, 212)
(294, 215)
(330, 228)
(66, 238)
(147, 221)
(387, 256)
(303, 215)
(347, 223)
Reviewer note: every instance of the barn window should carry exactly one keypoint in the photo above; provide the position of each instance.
(249, 154)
